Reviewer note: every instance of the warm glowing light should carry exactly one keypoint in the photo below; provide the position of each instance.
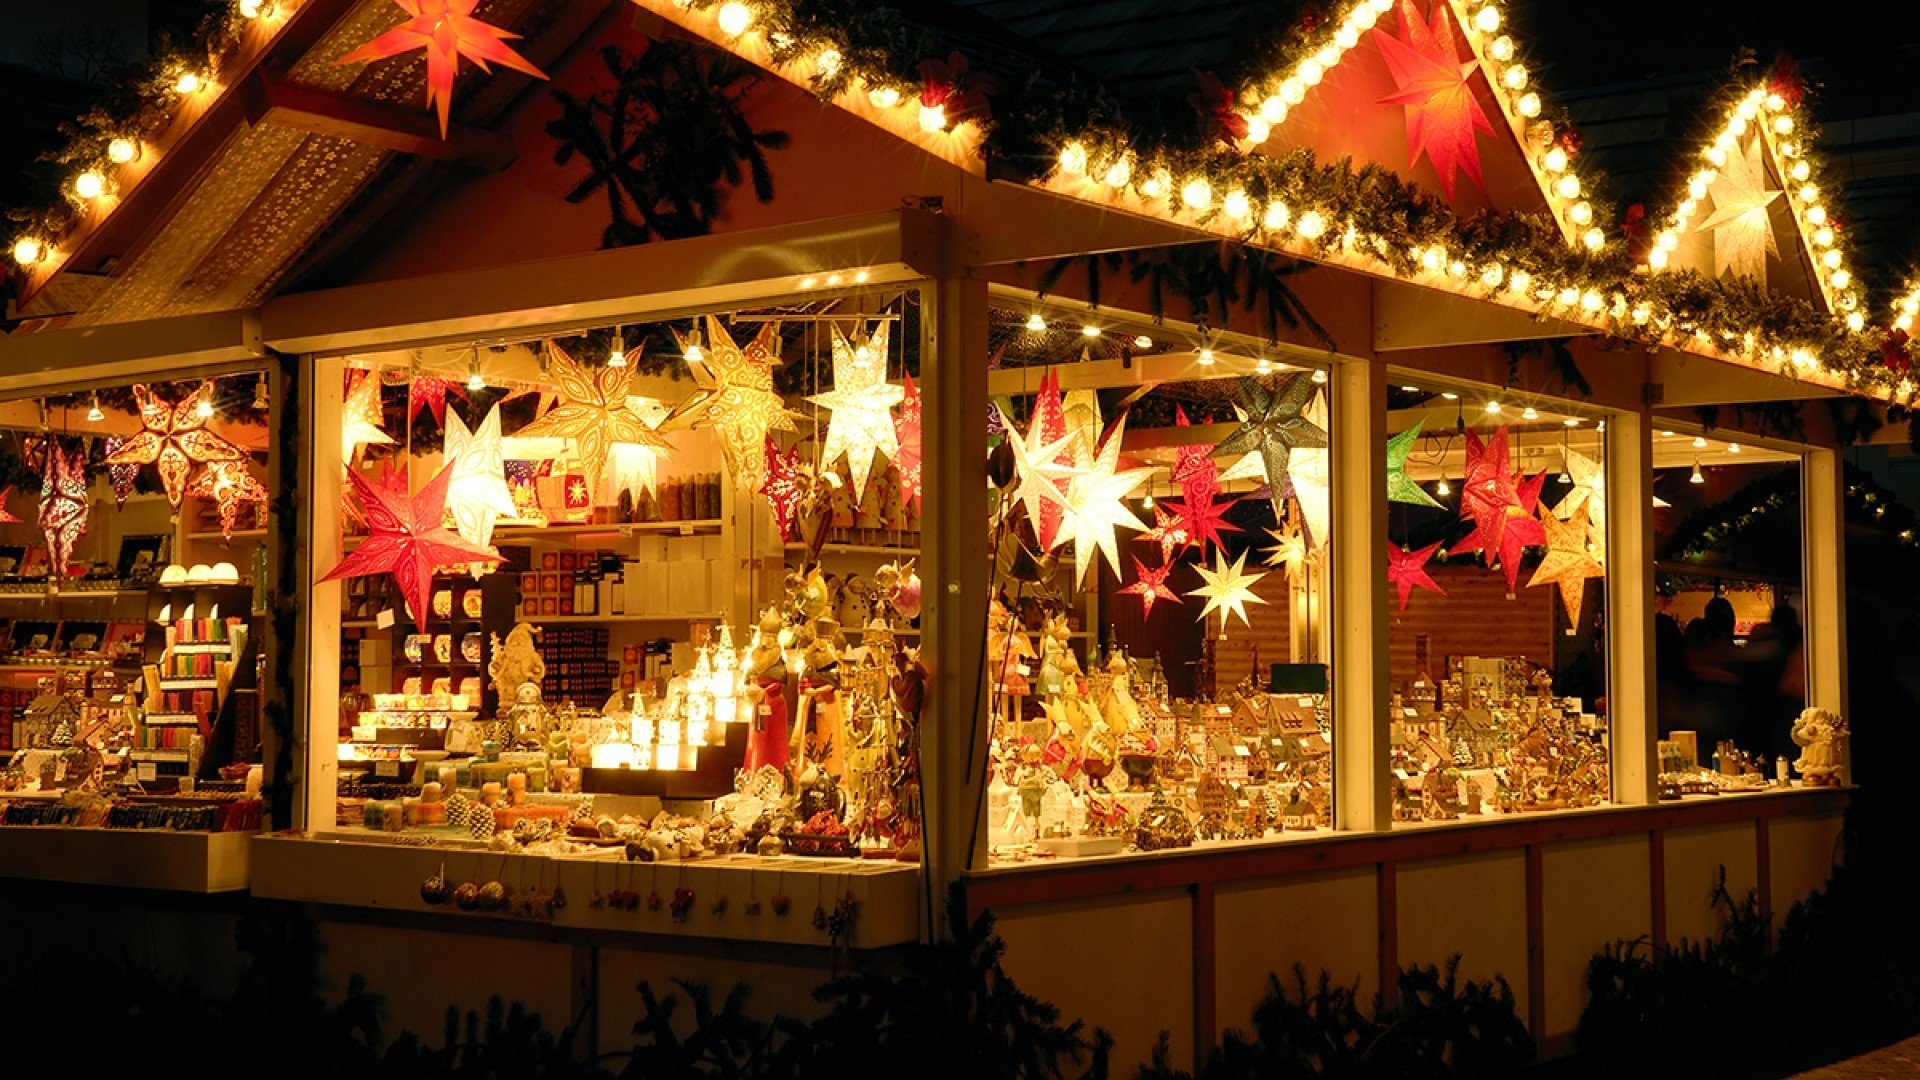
(1800, 170)
(252, 9)
(1236, 205)
(1274, 109)
(1487, 19)
(1157, 185)
(1433, 259)
(94, 415)
(1442, 489)
(1817, 215)
(1073, 159)
(1258, 131)
(89, 185)
(1529, 413)
(1783, 124)
(1594, 239)
(1696, 478)
(1312, 225)
(1528, 105)
(828, 63)
(933, 118)
(1515, 77)
(188, 83)
(1277, 216)
(1657, 258)
(1567, 186)
(1501, 49)
(1580, 213)
(734, 18)
(1143, 342)
(1293, 91)
(1699, 442)
(1832, 258)
(1090, 330)
(1036, 324)
(883, 97)
(1491, 277)
(27, 251)
(1206, 357)
(1197, 194)
(1840, 279)
(1493, 407)
(122, 150)
(1119, 173)
(1856, 322)
(1555, 160)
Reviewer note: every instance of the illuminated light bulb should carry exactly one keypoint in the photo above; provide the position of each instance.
(1449, 395)
(89, 185)
(1487, 19)
(1036, 324)
(1073, 158)
(860, 276)
(1642, 313)
(1840, 279)
(1205, 358)
(1090, 331)
(1515, 77)
(1312, 225)
(1442, 489)
(1277, 216)
(1669, 239)
(1293, 91)
(1699, 442)
(188, 83)
(1197, 194)
(1501, 49)
(807, 283)
(1118, 174)
(1783, 124)
(1347, 36)
(862, 351)
(1555, 160)
(1856, 322)
(1319, 376)
(693, 354)
(1733, 448)
(1519, 280)
(1697, 187)
(1571, 421)
(1738, 125)
(1529, 413)
(1274, 109)
(1809, 194)
(1904, 322)
(94, 415)
(1433, 258)
(1696, 478)
(1581, 213)
(828, 63)
(1567, 186)
(251, 9)
(1327, 57)
(122, 150)
(1591, 301)
(1492, 276)
(1529, 105)
(1380, 7)
(1157, 185)
(1800, 170)
(27, 251)
(1594, 239)
(1264, 366)
(1236, 205)
(1143, 342)
(617, 355)
(734, 18)
(1832, 258)
(1258, 131)
(1569, 296)
(883, 97)
(203, 408)
(933, 118)
(1657, 258)
(1817, 215)
(1310, 71)
(1456, 268)
(1493, 407)
(833, 280)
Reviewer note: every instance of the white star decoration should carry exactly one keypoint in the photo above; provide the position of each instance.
(1289, 551)
(360, 418)
(1742, 229)
(862, 402)
(1229, 589)
(1093, 507)
(477, 494)
(1037, 472)
(1590, 490)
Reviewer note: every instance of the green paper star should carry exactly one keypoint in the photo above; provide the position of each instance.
(1400, 489)
(1274, 426)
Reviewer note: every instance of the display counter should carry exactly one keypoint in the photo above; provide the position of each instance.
(199, 862)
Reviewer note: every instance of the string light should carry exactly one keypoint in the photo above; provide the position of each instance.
(89, 185)
(883, 97)
(189, 82)
(734, 18)
(933, 118)
(122, 150)
(27, 251)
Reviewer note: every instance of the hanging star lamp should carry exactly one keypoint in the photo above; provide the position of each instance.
(784, 485)
(174, 440)
(1095, 506)
(1431, 83)
(1169, 531)
(860, 426)
(1499, 505)
(231, 486)
(430, 393)
(446, 30)
(1741, 222)
(906, 433)
(1289, 550)
(1568, 564)
(6, 496)
(1407, 570)
(120, 477)
(1400, 488)
(477, 493)
(407, 539)
(1273, 428)
(360, 418)
(736, 398)
(1228, 589)
(1150, 585)
(63, 505)
(592, 411)
(1038, 474)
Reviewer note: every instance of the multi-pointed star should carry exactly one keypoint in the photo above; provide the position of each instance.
(407, 538)
(446, 31)
(1491, 496)
(1289, 550)
(593, 411)
(360, 418)
(736, 398)
(1228, 589)
(1095, 506)
(1203, 522)
(1312, 476)
(861, 427)
(783, 485)
(1407, 569)
(1169, 532)
(1401, 488)
(1037, 473)
(173, 439)
(1431, 82)
(6, 496)
(1150, 585)
(63, 503)
(1568, 562)
(477, 493)
(430, 392)
(1275, 425)
(906, 432)
(231, 485)
(1742, 221)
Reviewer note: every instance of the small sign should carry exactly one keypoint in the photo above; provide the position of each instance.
(1304, 701)
(1409, 713)
(146, 772)
(384, 620)
(766, 710)
(389, 769)
(1022, 669)
(686, 528)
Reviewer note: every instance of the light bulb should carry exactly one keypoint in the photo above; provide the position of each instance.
(1571, 421)
(828, 63)
(252, 9)
(1856, 322)
(1205, 357)
(1567, 186)
(1833, 258)
(89, 185)
(1487, 19)
(1555, 160)
(1733, 448)
(1594, 239)
(862, 351)
(474, 381)
(1529, 413)
(693, 353)
(94, 415)
(933, 118)
(1699, 442)
(1493, 407)
(1581, 213)
(1277, 215)
(1319, 376)
(1119, 173)
(1142, 341)
(1840, 279)
(1817, 215)
(1073, 158)
(1157, 185)
(27, 251)
(1442, 489)
(1566, 478)
(204, 407)
(188, 82)
(1090, 331)
(883, 97)
(1697, 477)
(734, 18)
(1274, 109)
(122, 150)
(1310, 71)
(617, 356)
(1492, 276)
(1036, 324)
(1312, 225)
(1783, 124)
(1801, 170)
(1529, 105)
(1501, 49)
(1515, 77)
(1197, 194)
(1237, 206)
(1293, 91)
(1657, 258)
(1823, 236)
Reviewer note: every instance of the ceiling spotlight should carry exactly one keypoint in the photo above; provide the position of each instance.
(1571, 421)
(1320, 376)
(204, 407)
(1036, 324)
(474, 381)
(693, 353)
(1205, 357)
(1442, 489)
(1529, 413)
(1090, 330)
(1143, 342)
(1449, 396)
(94, 415)
(1696, 478)
(1733, 448)
(617, 356)
(1699, 442)
(1493, 407)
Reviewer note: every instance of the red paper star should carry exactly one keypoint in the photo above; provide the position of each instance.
(1431, 81)
(230, 485)
(1408, 570)
(430, 393)
(173, 439)
(447, 30)
(1169, 531)
(6, 495)
(783, 486)
(1150, 584)
(408, 539)
(1500, 504)
(1193, 467)
(906, 430)
(121, 477)
(1050, 421)
(63, 503)
(1204, 520)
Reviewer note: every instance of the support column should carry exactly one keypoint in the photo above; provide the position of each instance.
(316, 686)
(1633, 688)
(1824, 509)
(1358, 599)
(953, 737)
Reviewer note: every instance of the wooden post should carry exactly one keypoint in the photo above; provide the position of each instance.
(1358, 596)
(1823, 503)
(1633, 690)
(317, 682)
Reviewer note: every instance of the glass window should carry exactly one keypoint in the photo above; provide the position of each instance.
(1730, 610)
(1158, 641)
(1496, 562)
(671, 597)
(132, 564)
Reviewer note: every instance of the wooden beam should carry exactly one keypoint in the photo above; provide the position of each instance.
(268, 100)
(1680, 380)
(1411, 317)
(1362, 797)
(184, 346)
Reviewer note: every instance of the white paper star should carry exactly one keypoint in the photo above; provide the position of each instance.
(477, 494)
(862, 402)
(1093, 507)
(360, 418)
(1740, 222)
(1037, 471)
(1312, 472)
(1289, 551)
(1229, 589)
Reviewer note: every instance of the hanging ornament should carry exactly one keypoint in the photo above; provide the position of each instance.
(1568, 562)
(1048, 425)
(430, 392)
(1311, 476)
(173, 438)
(6, 496)
(1194, 468)
(1400, 489)
(1094, 506)
(477, 493)
(1491, 497)
(446, 30)
(736, 398)
(231, 485)
(1203, 521)
(1150, 585)
(1038, 474)
(1741, 222)
(592, 410)
(1273, 426)
(407, 539)
(1228, 589)
(1169, 531)
(63, 504)
(360, 418)
(1289, 550)
(783, 485)
(906, 433)
(1430, 82)
(120, 477)
(861, 425)
(1589, 492)
(1407, 570)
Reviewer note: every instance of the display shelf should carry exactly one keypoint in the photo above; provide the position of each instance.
(666, 617)
(204, 648)
(859, 549)
(238, 534)
(158, 754)
(189, 684)
(194, 862)
(74, 594)
(68, 665)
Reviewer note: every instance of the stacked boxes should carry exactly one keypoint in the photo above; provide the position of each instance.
(675, 575)
(578, 667)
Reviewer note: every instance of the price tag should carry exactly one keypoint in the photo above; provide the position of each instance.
(1022, 669)
(766, 710)
(387, 769)
(686, 528)
(1410, 713)
(146, 772)
(1305, 701)
(384, 620)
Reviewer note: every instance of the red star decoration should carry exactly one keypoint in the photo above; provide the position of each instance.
(1407, 570)
(783, 486)
(121, 477)
(1430, 80)
(63, 503)
(906, 431)
(230, 485)
(173, 438)
(1202, 522)
(1193, 466)
(6, 496)
(407, 539)
(430, 393)
(447, 30)
(1169, 531)
(1050, 420)
(1150, 584)
(1501, 505)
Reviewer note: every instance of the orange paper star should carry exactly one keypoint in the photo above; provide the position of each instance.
(1430, 80)
(1568, 563)
(736, 398)
(447, 30)
(408, 539)
(1407, 569)
(230, 485)
(592, 411)
(173, 439)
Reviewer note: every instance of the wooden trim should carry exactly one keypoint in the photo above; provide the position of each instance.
(1657, 878)
(267, 100)
(1763, 865)
(1006, 887)
(1387, 900)
(1536, 940)
(1206, 974)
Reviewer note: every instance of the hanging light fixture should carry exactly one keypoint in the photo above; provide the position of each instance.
(1036, 324)
(1697, 477)
(1442, 489)
(1566, 451)
(694, 353)
(617, 356)
(204, 407)
(474, 381)
(1530, 413)
(94, 415)
(260, 394)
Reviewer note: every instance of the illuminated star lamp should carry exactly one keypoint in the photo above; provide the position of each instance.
(477, 493)
(1498, 504)
(736, 399)
(1150, 585)
(906, 431)
(1431, 83)
(592, 410)
(1037, 473)
(861, 424)
(1095, 506)
(231, 485)
(1289, 550)
(1407, 570)
(1568, 564)
(63, 504)
(1203, 519)
(1169, 531)
(1400, 488)
(1228, 589)
(360, 418)
(1275, 425)
(1741, 222)
(6, 496)
(447, 31)
(783, 486)
(408, 540)
(1047, 425)
(430, 392)
(120, 477)
(173, 439)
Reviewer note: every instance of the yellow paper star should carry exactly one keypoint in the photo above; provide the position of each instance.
(1094, 507)
(173, 439)
(592, 410)
(1229, 589)
(736, 399)
(1568, 564)
(1289, 551)
(360, 419)
(861, 402)
(230, 485)
(1741, 221)
(477, 494)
